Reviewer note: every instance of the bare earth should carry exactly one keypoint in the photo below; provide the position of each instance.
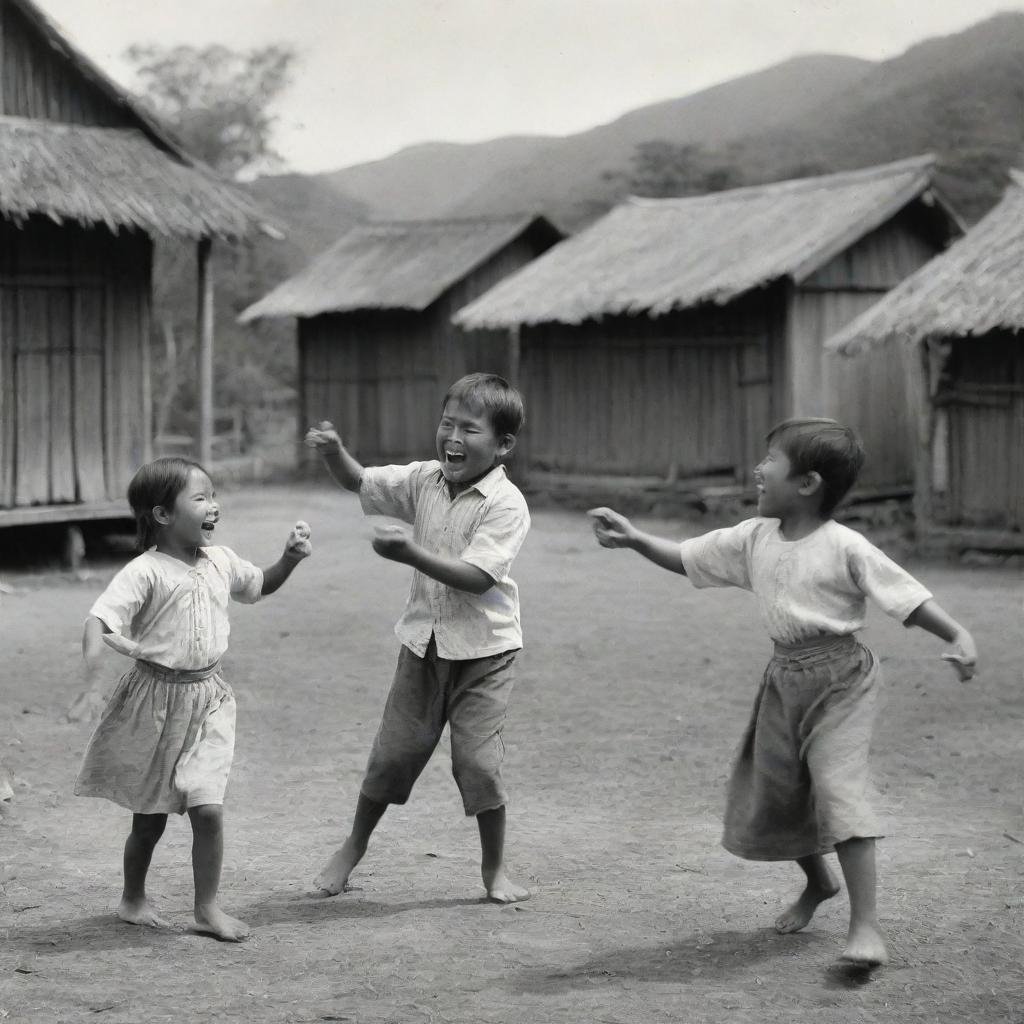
(633, 690)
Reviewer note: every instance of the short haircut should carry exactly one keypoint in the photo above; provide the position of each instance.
(495, 396)
(825, 447)
(157, 483)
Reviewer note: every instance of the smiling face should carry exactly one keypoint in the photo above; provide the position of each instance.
(778, 489)
(190, 522)
(467, 445)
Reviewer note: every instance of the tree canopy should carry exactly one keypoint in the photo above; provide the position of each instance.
(218, 101)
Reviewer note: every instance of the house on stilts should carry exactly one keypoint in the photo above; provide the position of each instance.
(87, 181)
(959, 324)
(664, 340)
(377, 348)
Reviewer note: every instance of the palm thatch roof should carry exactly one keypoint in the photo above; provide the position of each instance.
(116, 177)
(651, 256)
(395, 265)
(975, 286)
(138, 177)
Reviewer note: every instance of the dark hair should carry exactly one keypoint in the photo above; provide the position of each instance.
(498, 399)
(825, 447)
(157, 483)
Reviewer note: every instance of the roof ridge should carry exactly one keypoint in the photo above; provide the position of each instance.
(836, 179)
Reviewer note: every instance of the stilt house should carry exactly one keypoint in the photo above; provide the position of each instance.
(959, 322)
(377, 349)
(87, 180)
(666, 339)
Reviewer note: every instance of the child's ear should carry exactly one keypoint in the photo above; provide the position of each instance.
(161, 515)
(506, 444)
(811, 484)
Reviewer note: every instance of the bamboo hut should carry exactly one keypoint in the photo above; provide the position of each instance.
(665, 339)
(87, 181)
(958, 321)
(377, 349)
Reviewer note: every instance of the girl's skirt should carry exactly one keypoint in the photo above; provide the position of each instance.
(165, 741)
(800, 781)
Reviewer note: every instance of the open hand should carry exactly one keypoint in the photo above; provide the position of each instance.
(392, 542)
(611, 529)
(324, 438)
(298, 545)
(963, 657)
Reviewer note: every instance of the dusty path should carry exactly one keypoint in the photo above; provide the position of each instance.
(633, 691)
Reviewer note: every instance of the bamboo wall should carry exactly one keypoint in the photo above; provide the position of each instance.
(73, 333)
(36, 81)
(867, 392)
(380, 375)
(982, 402)
(688, 394)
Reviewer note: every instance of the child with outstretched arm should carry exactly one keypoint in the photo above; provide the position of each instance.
(460, 630)
(165, 741)
(799, 786)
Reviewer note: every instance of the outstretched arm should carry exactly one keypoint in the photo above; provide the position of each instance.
(296, 549)
(616, 531)
(340, 464)
(395, 543)
(931, 617)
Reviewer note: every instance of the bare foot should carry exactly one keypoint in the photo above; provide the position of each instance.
(333, 877)
(799, 915)
(501, 889)
(865, 946)
(211, 920)
(140, 912)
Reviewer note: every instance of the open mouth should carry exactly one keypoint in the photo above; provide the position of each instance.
(208, 528)
(455, 458)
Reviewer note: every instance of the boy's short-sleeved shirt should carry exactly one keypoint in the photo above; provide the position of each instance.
(484, 525)
(162, 610)
(804, 588)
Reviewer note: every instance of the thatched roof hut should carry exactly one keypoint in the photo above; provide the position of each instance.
(88, 179)
(377, 348)
(652, 256)
(974, 288)
(395, 265)
(711, 311)
(959, 320)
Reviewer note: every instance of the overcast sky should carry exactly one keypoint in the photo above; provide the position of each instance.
(376, 75)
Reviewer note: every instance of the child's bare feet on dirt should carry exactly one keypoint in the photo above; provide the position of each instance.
(211, 920)
(799, 915)
(333, 877)
(865, 946)
(140, 912)
(501, 889)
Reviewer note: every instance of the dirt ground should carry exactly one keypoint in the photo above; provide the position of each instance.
(633, 691)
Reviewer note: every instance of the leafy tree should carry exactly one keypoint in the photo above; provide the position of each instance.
(216, 100)
(662, 169)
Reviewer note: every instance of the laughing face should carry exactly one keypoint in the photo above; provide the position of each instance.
(467, 445)
(778, 490)
(191, 522)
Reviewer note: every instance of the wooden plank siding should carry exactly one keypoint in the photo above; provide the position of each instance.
(687, 394)
(868, 392)
(380, 375)
(38, 82)
(73, 330)
(982, 396)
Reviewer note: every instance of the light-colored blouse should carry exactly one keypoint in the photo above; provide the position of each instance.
(162, 610)
(805, 588)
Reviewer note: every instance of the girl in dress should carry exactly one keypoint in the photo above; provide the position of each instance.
(166, 738)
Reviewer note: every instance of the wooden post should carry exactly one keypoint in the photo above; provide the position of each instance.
(147, 381)
(515, 356)
(204, 351)
(920, 400)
